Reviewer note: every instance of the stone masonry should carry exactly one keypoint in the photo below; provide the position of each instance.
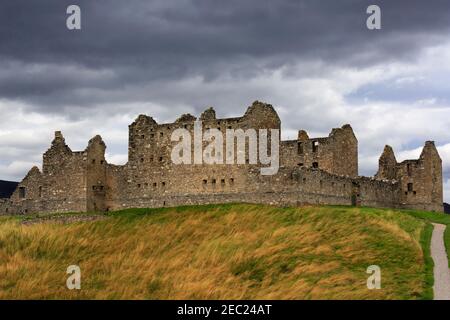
(312, 171)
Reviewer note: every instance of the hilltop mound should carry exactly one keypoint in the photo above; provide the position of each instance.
(217, 252)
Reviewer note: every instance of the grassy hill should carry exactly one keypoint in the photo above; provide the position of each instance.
(219, 252)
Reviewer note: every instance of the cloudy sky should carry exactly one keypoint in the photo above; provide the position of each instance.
(314, 60)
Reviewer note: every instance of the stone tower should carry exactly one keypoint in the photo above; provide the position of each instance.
(387, 164)
(419, 180)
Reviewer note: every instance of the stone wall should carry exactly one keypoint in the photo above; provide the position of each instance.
(312, 171)
(337, 153)
(420, 180)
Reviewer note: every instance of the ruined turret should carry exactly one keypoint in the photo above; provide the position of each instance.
(208, 114)
(96, 141)
(387, 165)
(432, 163)
(96, 174)
(59, 143)
(57, 153)
(187, 117)
(421, 180)
(302, 135)
(261, 115)
(140, 134)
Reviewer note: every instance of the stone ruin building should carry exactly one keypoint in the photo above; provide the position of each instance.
(312, 171)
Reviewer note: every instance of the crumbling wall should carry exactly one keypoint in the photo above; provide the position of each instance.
(5, 206)
(337, 153)
(419, 181)
(96, 182)
(312, 171)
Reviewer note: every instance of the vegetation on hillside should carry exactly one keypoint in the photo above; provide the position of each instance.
(232, 251)
(436, 218)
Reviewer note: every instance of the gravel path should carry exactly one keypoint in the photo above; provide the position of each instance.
(441, 271)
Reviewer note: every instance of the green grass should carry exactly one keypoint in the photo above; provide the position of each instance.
(425, 241)
(436, 218)
(231, 251)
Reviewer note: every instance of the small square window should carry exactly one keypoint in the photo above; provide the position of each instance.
(205, 181)
(222, 181)
(213, 181)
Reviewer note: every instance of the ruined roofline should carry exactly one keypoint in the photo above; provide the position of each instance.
(207, 115)
(427, 145)
(409, 161)
(59, 140)
(230, 119)
(303, 134)
(358, 178)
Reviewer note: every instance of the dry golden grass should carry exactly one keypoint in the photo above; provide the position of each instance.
(216, 252)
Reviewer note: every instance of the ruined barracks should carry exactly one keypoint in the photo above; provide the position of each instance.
(312, 171)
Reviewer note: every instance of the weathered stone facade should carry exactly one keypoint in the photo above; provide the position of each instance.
(312, 171)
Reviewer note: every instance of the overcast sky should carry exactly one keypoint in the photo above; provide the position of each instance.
(314, 61)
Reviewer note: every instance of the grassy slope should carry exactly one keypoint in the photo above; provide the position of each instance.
(436, 218)
(220, 252)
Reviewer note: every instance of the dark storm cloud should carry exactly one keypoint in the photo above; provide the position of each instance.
(141, 43)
